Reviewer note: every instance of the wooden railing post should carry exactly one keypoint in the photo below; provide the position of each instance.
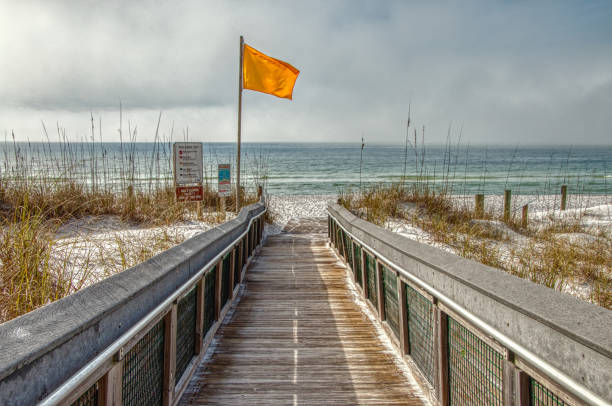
(262, 225)
(364, 273)
(241, 257)
(111, 386)
(246, 248)
(169, 356)
(380, 291)
(521, 386)
(199, 315)
(252, 238)
(231, 274)
(353, 260)
(403, 317)
(508, 373)
(442, 357)
(218, 282)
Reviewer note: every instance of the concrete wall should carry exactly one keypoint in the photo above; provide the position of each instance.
(42, 349)
(573, 336)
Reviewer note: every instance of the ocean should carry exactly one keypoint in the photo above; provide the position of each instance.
(315, 168)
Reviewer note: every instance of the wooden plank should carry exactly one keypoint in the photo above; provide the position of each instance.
(297, 336)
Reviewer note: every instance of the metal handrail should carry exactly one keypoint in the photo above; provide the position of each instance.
(71, 384)
(542, 365)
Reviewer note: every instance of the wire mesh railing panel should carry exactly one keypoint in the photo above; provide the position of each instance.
(357, 251)
(210, 281)
(420, 314)
(143, 370)
(371, 279)
(237, 266)
(348, 243)
(89, 398)
(185, 332)
(541, 396)
(245, 250)
(390, 299)
(474, 368)
(225, 279)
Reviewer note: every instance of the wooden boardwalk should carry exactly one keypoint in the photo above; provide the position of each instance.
(297, 336)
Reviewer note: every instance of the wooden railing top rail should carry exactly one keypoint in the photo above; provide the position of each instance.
(41, 350)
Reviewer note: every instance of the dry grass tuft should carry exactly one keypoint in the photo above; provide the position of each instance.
(41, 191)
(542, 255)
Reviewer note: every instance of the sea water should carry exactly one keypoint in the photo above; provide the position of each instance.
(327, 168)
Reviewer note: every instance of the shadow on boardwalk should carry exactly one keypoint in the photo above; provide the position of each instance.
(297, 336)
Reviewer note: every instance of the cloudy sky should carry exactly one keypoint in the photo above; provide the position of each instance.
(506, 72)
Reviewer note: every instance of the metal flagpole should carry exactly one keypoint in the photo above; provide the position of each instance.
(239, 125)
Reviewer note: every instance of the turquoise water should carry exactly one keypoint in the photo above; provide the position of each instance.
(329, 168)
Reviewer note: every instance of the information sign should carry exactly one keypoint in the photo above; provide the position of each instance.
(189, 193)
(187, 163)
(225, 182)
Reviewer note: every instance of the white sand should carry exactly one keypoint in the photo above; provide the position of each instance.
(92, 248)
(284, 208)
(593, 213)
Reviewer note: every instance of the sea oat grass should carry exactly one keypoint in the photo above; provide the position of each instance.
(545, 254)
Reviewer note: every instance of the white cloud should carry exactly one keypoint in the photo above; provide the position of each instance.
(511, 73)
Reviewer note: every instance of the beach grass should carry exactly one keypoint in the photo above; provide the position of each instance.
(543, 253)
(41, 190)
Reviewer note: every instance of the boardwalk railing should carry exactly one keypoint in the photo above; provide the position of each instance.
(136, 337)
(477, 335)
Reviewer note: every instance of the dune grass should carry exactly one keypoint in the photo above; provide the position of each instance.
(45, 186)
(545, 255)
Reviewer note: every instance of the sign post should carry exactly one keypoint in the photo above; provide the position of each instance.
(188, 168)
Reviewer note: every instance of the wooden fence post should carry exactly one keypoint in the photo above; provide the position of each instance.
(479, 205)
(525, 216)
(507, 204)
(563, 197)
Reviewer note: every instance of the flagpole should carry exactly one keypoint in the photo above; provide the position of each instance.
(239, 125)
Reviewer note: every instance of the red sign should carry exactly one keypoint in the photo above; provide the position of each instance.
(189, 193)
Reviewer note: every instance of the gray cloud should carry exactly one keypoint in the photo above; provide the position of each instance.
(508, 73)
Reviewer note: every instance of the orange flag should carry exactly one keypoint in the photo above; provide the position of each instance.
(267, 75)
